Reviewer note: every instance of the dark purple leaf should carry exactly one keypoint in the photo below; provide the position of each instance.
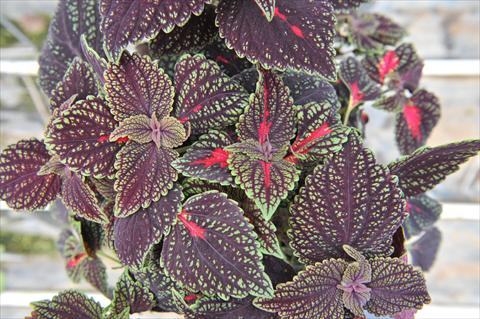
(217, 308)
(268, 8)
(305, 88)
(425, 249)
(94, 271)
(207, 159)
(144, 175)
(206, 97)
(130, 294)
(78, 80)
(278, 270)
(93, 58)
(350, 200)
(423, 212)
(72, 19)
(20, 185)
(92, 236)
(137, 86)
(313, 293)
(137, 233)
(68, 304)
(428, 166)
(417, 120)
(193, 36)
(127, 22)
(219, 251)
(248, 78)
(80, 137)
(300, 35)
(347, 5)
(227, 59)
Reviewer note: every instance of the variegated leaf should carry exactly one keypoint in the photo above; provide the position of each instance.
(305, 88)
(230, 63)
(93, 58)
(268, 8)
(423, 212)
(217, 308)
(68, 304)
(135, 128)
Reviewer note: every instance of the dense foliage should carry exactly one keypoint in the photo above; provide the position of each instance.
(217, 149)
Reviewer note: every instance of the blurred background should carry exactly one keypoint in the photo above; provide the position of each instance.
(446, 34)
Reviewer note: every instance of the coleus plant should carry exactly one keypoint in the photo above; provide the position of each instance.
(217, 149)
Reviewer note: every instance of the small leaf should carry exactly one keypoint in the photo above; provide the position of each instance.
(137, 233)
(348, 200)
(313, 293)
(94, 271)
(428, 166)
(395, 287)
(423, 212)
(168, 132)
(20, 185)
(414, 125)
(300, 35)
(424, 250)
(207, 159)
(144, 175)
(136, 128)
(68, 304)
(138, 86)
(219, 252)
(206, 97)
(268, 8)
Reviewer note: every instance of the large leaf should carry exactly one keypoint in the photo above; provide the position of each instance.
(219, 252)
(206, 97)
(79, 136)
(395, 287)
(20, 185)
(414, 125)
(313, 293)
(423, 212)
(207, 159)
(72, 19)
(348, 200)
(217, 308)
(144, 175)
(270, 115)
(135, 234)
(136, 85)
(68, 304)
(305, 88)
(300, 35)
(127, 22)
(428, 166)
(425, 249)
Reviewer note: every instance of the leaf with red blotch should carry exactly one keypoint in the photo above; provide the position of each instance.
(230, 63)
(313, 293)
(129, 22)
(206, 97)
(135, 86)
(428, 166)
(415, 123)
(355, 77)
(96, 62)
(78, 80)
(347, 5)
(137, 233)
(219, 251)
(267, 7)
(144, 174)
(270, 115)
(68, 304)
(423, 212)
(72, 20)
(424, 250)
(132, 295)
(80, 198)
(373, 31)
(217, 308)
(305, 88)
(193, 36)
(207, 159)
(79, 136)
(319, 132)
(349, 200)
(300, 35)
(264, 175)
(395, 286)
(20, 185)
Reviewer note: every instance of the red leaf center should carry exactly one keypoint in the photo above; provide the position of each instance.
(413, 117)
(388, 64)
(192, 227)
(75, 260)
(357, 95)
(217, 156)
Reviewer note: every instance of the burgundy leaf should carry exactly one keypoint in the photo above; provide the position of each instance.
(80, 137)
(94, 271)
(104, 187)
(425, 249)
(68, 304)
(144, 175)
(305, 88)
(20, 185)
(300, 35)
(206, 97)
(135, 234)
(348, 200)
(96, 62)
(278, 270)
(194, 186)
(423, 212)
(248, 78)
(268, 8)
(227, 59)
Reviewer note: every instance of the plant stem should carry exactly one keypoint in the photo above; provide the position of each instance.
(103, 254)
(349, 110)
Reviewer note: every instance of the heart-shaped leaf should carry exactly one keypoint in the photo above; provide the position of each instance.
(428, 166)
(68, 304)
(423, 212)
(206, 97)
(219, 251)
(79, 136)
(424, 250)
(300, 35)
(348, 200)
(20, 185)
(144, 175)
(135, 234)
(313, 293)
